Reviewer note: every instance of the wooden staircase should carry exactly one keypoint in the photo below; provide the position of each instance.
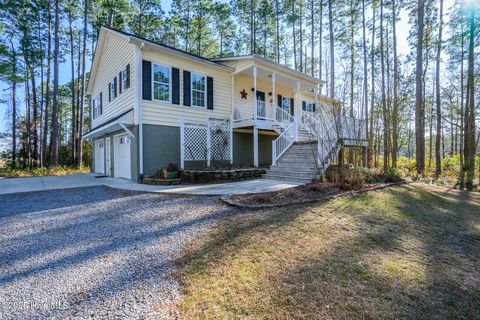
(297, 164)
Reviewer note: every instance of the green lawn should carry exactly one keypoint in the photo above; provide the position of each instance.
(404, 252)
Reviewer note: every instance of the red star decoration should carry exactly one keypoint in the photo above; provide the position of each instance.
(244, 94)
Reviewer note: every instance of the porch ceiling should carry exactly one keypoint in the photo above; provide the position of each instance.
(265, 75)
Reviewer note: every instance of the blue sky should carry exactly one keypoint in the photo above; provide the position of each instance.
(65, 73)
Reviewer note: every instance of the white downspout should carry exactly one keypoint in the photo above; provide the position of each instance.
(138, 101)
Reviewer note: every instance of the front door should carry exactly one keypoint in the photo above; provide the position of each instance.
(261, 108)
(100, 156)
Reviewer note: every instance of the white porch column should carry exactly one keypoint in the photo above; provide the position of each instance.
(231, 119)
(182, 144)
(255, 146)
(255, 92)
(298, 106)
(274, 111)
(209, 143)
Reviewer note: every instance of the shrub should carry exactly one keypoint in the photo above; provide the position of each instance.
(344, 177)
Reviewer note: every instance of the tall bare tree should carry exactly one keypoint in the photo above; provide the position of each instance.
(438, 167)
(419, 102)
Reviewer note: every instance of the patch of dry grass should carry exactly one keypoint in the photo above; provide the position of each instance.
(403, 252)
(59, 171)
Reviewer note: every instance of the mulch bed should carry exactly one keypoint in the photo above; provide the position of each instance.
(313, 192)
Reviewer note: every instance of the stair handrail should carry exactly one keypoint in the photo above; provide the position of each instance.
(326, 138)
(284, 141)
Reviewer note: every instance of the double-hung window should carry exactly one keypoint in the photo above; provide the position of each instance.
(161, 83)
(123, 84)
(113, 89)
(309, 106)
(97, 107)
(199, 90)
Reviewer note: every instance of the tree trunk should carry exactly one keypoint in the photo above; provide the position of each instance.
(462, 116)
(438, 167)
(372, 102)
(332, 51)
(277, 35)
(312, 39)
(395, 89)
(419, 107)
(82, 94)
(56, 57)
(47, 87)
(72, 62)
(470, 145)
(365, 83)
(320, 44)
(294, 21)
(301, 37)
(384, 102)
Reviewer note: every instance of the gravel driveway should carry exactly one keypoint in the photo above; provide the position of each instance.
(96, 252)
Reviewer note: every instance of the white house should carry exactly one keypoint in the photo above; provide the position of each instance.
(153, 105)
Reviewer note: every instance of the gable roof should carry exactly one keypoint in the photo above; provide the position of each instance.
(216, 62)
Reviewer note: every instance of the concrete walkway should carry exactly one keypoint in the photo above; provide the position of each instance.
(16, 185)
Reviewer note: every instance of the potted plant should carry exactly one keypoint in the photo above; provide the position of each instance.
(172, 171)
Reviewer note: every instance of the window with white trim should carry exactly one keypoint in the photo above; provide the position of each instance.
(309, 106)
(97, 108)
(199, 90)
(161, 83)
(124, 80)
(113, 90)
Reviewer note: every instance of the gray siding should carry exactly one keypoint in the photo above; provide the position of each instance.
(161, 146)
(243, 149)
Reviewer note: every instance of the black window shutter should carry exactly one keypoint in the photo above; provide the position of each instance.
(128, 76)
(115, 87)
(304, 105)
(120, 82)
(101, 103)
(186, 89)
(93, 108)
(146, 80)
(110, 92)
(314, 107)
(292, 106)
(279, 100)
(210, 93)
(175, 86)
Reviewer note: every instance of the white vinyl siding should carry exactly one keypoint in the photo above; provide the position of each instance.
(162, 86)
(167, 114)
(199, 90)
(117, 53)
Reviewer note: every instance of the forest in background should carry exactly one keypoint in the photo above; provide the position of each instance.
(421, 108)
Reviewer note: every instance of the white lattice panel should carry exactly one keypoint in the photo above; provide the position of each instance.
(220, 139)
(195, 142)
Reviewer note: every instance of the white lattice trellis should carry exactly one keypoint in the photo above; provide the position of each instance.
(195, 143)
(205, 142)
(219, 139)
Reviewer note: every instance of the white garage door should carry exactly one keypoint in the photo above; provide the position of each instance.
(100, 156)
(122, 157)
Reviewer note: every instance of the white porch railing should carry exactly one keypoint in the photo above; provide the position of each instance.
(284, 141)
(262, 111)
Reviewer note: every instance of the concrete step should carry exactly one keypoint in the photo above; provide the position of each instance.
(296, 165)
(282, 178)
(294, 174)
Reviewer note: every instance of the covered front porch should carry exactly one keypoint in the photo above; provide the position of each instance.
(267, 98)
